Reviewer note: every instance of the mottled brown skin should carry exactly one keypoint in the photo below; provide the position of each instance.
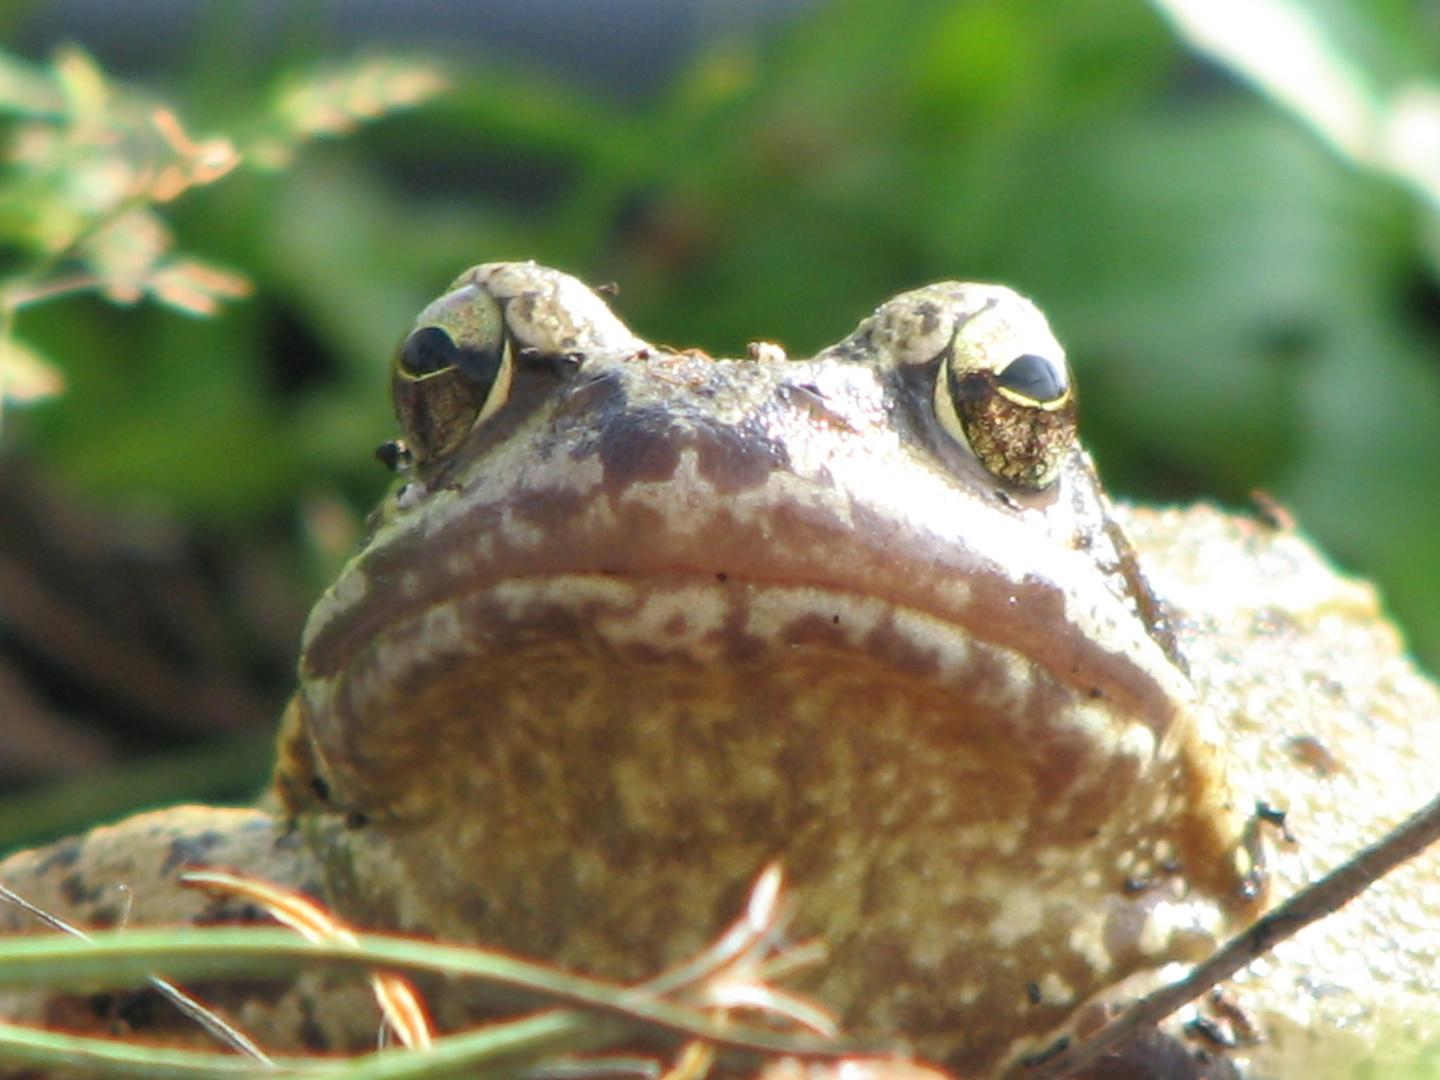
(658, 620)
(663, 619)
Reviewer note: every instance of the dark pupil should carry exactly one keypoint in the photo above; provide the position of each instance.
(427, 351)
(431, 349)
(1034, 376)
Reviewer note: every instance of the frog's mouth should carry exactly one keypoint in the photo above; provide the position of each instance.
(748, 639)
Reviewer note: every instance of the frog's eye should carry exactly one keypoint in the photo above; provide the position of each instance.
(452, 371)
(997, 378)
(1017, 417)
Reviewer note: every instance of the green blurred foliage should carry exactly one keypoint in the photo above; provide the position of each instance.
(1245, 307)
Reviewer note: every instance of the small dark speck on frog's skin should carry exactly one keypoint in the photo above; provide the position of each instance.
(1276, 818)
(1059, 1046)
(321, 789)
(1032, 991)
(1311, 752)
(77, 892)
(394, 455)
(1202, 1027)
(105, 917)
(356, 820)
(137, 1009)
(1270, 512)
(312, 1035)
(191, 850)
(65, 854)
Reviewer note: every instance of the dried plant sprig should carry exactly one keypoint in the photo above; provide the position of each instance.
(735, 970)
(90, 160)
(693, 1062)
(336, 99)
(732, 973)
(400, 1006)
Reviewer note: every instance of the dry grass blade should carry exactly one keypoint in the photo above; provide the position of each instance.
(399, 1004)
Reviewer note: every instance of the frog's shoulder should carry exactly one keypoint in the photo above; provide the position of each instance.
(1325, 718)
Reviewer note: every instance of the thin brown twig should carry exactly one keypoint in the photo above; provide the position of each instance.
(1310, 904)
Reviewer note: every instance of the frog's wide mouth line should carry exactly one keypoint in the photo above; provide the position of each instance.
(697, 626)
(712, 582)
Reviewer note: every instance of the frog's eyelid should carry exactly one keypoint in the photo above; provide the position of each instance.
(501, 380)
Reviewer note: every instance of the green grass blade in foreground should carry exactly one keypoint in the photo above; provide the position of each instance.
(127, 958)
(492, 1052)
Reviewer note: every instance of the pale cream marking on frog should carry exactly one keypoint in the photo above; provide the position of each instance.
(1099, 726)
(445, 507)
(1096, 616)
(1169, 925)
(351, 588)
(460, 564)
(687, 621)
(680, 620)
(701, 504)
(1003, 837)
(1054, 990)
(1088, 940)
(1019, 914)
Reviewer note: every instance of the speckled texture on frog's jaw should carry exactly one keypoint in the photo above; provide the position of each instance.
(682, 617)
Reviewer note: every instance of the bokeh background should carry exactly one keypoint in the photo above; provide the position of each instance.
(1228, 210)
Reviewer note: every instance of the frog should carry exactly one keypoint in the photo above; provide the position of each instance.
(635, 622)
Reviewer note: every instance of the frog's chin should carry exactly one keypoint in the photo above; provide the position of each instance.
(747, 688)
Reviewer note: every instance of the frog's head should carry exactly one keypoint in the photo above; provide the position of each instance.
(636, 622)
